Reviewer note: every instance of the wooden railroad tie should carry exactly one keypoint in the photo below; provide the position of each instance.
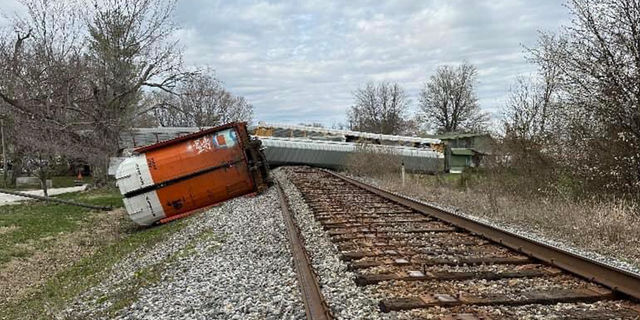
(374, 231)
(590, 294)
(434, 262)
(369, 279)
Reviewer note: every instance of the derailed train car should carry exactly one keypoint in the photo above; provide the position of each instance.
(334, 154)
(170, 179)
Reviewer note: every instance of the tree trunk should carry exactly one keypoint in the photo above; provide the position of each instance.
(99, 171)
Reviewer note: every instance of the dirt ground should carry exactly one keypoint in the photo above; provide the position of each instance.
(23, 276)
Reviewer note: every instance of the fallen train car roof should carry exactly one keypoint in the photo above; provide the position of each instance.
(346, 146)
(367, 135)
(142, 137)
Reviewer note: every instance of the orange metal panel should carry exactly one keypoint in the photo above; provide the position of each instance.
(205, 189)
(189, 156)
(191, 172)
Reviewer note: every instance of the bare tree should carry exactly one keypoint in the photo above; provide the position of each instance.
(448, 100)
(41, 75)
(547, 87)
(531, 111)
(530, 120)
(379, 108)
(41, 67)
(81, 82)
(200, 100)
(597, 58)
(129, 48)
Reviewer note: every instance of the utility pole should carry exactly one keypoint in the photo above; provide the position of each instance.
(4, 152)
(402, 171)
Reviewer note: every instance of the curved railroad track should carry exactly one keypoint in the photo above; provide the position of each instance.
(430, 263)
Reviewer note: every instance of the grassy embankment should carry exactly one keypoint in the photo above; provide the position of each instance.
(50, 253)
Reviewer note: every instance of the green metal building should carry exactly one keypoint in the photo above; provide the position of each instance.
(462, 158)
(464, 150)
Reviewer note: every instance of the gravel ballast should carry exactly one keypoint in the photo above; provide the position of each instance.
(231, 262)
(344, 297)
(512, 288)
(234, 262)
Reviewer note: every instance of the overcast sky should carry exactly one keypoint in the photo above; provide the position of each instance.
(300, 61)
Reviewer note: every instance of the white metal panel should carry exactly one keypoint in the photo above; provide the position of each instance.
(382, 137)
(114, 163)
(333, 154)
(133, 174)
(144, 209)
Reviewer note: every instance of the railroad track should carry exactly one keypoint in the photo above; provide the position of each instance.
(429, 263)
(316, 307)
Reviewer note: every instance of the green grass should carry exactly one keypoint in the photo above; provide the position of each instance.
(58, 182)
(30, 226)
(26, 224)
(89, 271)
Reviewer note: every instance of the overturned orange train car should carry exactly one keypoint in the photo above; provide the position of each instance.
(172, 178)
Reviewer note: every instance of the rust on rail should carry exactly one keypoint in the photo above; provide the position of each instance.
(315, 305)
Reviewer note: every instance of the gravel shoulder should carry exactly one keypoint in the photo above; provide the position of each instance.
(230, 262)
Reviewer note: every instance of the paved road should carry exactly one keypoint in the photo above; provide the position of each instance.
(11, 199)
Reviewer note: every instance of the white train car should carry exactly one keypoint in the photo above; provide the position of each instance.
(333, 154)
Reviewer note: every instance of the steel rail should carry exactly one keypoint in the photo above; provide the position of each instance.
(315, 305)
(610, 276)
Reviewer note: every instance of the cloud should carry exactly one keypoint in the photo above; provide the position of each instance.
(300, 61)
(8, 9)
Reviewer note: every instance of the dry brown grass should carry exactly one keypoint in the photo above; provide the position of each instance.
(372, 163)
(608, 227)
(22, 277)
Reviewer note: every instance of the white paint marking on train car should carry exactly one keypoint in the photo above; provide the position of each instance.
(144, 209)
(133, 174)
